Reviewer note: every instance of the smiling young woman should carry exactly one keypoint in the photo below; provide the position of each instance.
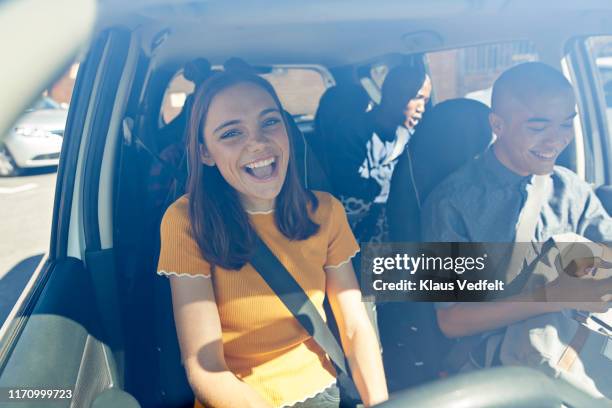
(240, 345)
(233, 136)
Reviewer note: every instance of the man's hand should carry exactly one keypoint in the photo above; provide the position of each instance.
(585, 258)
(591, 293)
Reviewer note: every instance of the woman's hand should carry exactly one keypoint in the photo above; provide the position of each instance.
(357, 334)
(199, 332)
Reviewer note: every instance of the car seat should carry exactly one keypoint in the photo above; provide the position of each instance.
(452, 133)
(309, 167)
(338, 103)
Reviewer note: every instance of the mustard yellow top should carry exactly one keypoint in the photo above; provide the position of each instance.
(263, 344)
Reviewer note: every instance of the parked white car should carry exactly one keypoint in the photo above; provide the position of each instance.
(35, 140)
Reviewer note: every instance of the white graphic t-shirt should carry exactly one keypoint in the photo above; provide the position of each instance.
(381, 159)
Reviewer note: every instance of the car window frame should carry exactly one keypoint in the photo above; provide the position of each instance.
(63, 201)
(591, 105)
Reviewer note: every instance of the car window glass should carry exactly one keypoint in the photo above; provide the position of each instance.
(470, 72)
(378, 73)
(174, 97)
(600, 51)
(29, 155)
(298, 88)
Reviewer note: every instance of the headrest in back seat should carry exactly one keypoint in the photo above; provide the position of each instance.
(450, 134)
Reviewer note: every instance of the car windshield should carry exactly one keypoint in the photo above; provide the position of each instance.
(296, 205)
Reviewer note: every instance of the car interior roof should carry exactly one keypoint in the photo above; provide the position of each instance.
(344, 32)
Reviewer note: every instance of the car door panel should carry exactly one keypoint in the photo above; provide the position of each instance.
(61, 345)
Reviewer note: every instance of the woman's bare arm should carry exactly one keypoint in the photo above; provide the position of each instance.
(199, 333)
(357, 334)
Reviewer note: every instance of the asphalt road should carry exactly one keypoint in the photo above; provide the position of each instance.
(26, 207)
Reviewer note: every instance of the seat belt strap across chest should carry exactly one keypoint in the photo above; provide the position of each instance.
(530, 214)
(525, 232)
(295, 299)
(528, 222)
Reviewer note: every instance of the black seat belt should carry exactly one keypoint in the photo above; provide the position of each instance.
(295, 299)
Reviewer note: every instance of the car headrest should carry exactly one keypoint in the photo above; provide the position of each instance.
(338, 102)
(450, 134)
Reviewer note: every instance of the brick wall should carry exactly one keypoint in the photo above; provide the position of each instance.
(61, 90)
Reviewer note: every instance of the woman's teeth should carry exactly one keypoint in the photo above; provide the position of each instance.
(261, 163)
(261, 169)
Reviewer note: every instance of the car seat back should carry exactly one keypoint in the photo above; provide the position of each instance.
(338, 103)
(173, 387)
(451, 134)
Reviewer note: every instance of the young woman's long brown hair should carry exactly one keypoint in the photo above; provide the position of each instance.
(219, 222)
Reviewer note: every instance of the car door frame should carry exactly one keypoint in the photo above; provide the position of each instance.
(63, 200)
(591, 103)
(68, 287)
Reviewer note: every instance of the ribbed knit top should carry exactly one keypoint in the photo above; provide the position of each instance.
(263, 343)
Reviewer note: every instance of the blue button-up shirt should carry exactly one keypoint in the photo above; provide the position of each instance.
(481, 202)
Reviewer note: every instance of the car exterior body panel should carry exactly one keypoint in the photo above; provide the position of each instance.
(43, 142)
